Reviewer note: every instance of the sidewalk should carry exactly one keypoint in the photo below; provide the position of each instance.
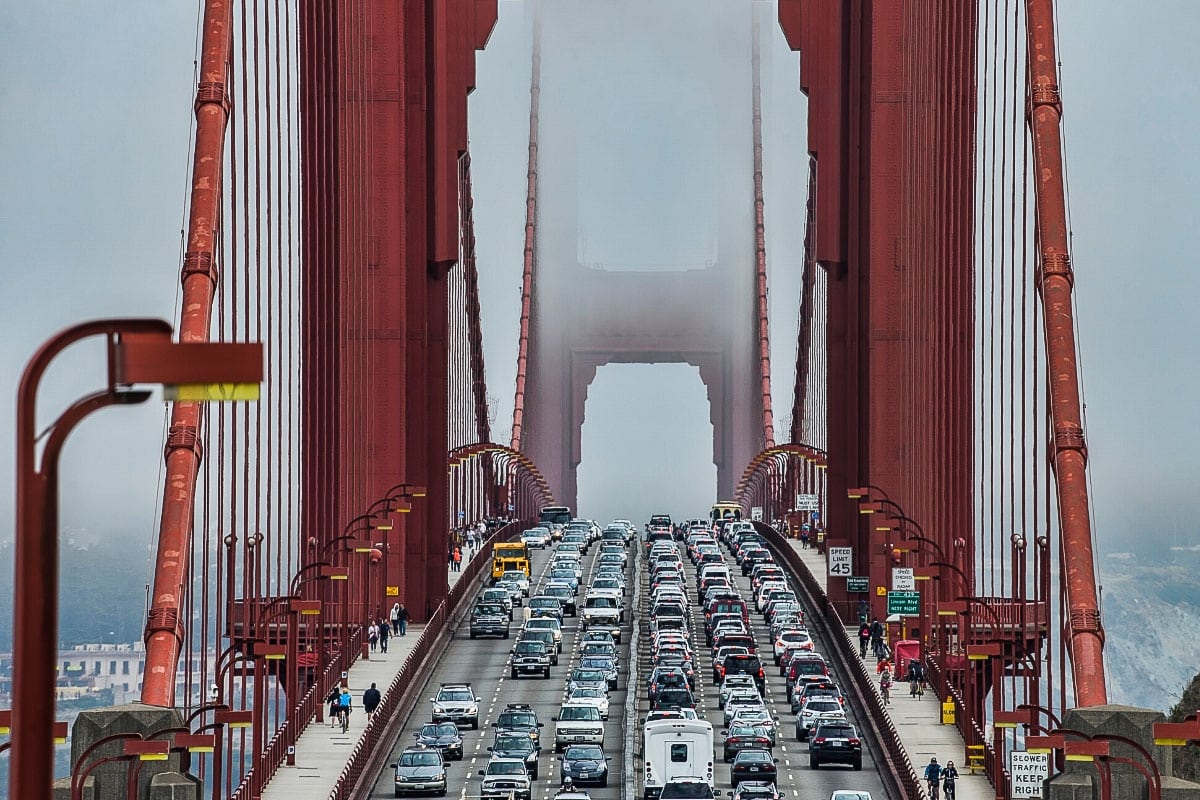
(322, 751)
(918, 721)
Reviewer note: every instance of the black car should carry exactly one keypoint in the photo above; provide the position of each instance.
(757, 790)
(518, 718)
(489, 619)
(745, 737)
(564, 595)
(517, 745)
(585, 763)
(834, 743)
(753, 765)
(675, 697)
(666, 678)
(744, 665)
(442, 736)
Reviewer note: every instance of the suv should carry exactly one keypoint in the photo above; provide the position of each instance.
(603, 612)
(518, 718)
(510, 744)
(518, 577)
(420, 769)
(530, 657)
(834, 743)
(456, 702)
(577, 724)
(687, 788)
(506, 778)
(546, 638)
(489, 619)
(744, 664)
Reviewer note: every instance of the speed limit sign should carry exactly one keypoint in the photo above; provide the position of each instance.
(840, 561)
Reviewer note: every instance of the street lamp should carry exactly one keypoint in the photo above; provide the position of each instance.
(138, 351)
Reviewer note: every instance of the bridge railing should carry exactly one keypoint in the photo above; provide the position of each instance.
(896, 772)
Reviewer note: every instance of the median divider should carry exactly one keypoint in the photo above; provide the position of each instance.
(633, 683)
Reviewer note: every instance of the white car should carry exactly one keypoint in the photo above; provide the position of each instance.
(740, 703)
(734, 684)
(547, 623)
(850, 794)
(792, 640)
(518, 577)
(590, 696)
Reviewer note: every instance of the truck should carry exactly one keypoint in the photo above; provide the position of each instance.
(508, 556)
(675, 748)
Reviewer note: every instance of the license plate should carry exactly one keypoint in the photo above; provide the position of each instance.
(585, 774)
(754, 769)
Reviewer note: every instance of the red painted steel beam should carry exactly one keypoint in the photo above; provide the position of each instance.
(804, 338)
(474, 324)
(762, 323)
(1056, 282)
(164, 628)
(528, 257)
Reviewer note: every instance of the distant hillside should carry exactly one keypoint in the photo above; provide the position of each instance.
(1151, 613)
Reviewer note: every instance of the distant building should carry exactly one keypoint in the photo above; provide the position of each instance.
(90, 669)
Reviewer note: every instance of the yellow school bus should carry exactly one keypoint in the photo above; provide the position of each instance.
(509, 555)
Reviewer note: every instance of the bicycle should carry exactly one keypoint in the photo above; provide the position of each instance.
(885, 688)
(933, 788)
(343, 716)
(948, 790)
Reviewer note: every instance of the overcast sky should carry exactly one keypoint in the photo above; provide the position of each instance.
(95, 144)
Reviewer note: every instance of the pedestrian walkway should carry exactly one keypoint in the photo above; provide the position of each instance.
(917, 720)
(323, 750)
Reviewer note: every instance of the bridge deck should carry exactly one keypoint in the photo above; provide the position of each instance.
(322, 751)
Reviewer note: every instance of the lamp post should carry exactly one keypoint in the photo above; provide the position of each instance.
(137, 351)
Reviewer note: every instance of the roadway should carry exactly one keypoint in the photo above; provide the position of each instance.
(485, 664)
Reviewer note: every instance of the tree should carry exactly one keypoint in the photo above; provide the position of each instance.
(1187, 759)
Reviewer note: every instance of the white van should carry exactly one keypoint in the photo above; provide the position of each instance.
(675, 748)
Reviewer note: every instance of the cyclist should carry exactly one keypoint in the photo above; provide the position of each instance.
(916, 678)
(949, 775)
(344, 709)
(885, 686)
(334, 699)
(933, 775)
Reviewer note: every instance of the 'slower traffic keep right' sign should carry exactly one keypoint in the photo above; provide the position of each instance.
(1028, 773)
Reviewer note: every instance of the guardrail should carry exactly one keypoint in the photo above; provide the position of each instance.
(898, 777)
(633, 684)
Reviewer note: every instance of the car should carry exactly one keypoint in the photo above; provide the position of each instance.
(665, 677)
(518, 577)
(582, 676)
(536, 537)
(547, 623)
(577, 725)
(518, 718)
(489, 619)
(675, 697)
(544, 605)
(850, 794)
(733, 684)
(757, 790)
(753, 765)
(443, 736)
(420, 769)
(598, 648)
(589, 696)
(499, 595)
(563, 593)
(509, 744)
(596, 636)
(617, 559)
(791, 638)
(515, 593)
(741, 737)
(816, 711)
(686, 788)
(614, 584)
(742, 701)
(834, 743)
(607, 664)
(805, 691)
(585, 763)
(506, 778)
(546, 637)
(530, 657)
(456, 702)
(759, 716)
(744, 664)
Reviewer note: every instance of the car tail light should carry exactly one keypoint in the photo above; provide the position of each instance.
(853, 741)
(819, 740)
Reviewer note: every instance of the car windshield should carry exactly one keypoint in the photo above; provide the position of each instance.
(587, 691)
(836, 731)
(601, 602)
(444, 729)
(544, 602)
(597, 662)
(455, 696)
(518, 743)
(754, 755)
(423, 758)
(492, 610)
(513, 720)
(506, 768)
(587, 675)
(531, 648)
(578, 713)
(582, 751)
(687, 791)
(743, 730)
(824, 705)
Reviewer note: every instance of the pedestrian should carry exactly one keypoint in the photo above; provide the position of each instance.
(371, 698)
(457, 559)
(373, 635)
(450, 555)
(805, 533)
(395, 618)
(334, 699)
(385, 630)
(402, 616)
(877, 637)
(864, 611)
(864, 638)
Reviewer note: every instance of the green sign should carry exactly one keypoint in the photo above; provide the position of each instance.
(906, 604)
(862, 584)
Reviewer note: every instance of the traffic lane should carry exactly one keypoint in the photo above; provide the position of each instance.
(484, 664)
(794, 772)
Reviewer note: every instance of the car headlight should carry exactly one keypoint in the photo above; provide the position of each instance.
(439, 709)
(473, 710)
